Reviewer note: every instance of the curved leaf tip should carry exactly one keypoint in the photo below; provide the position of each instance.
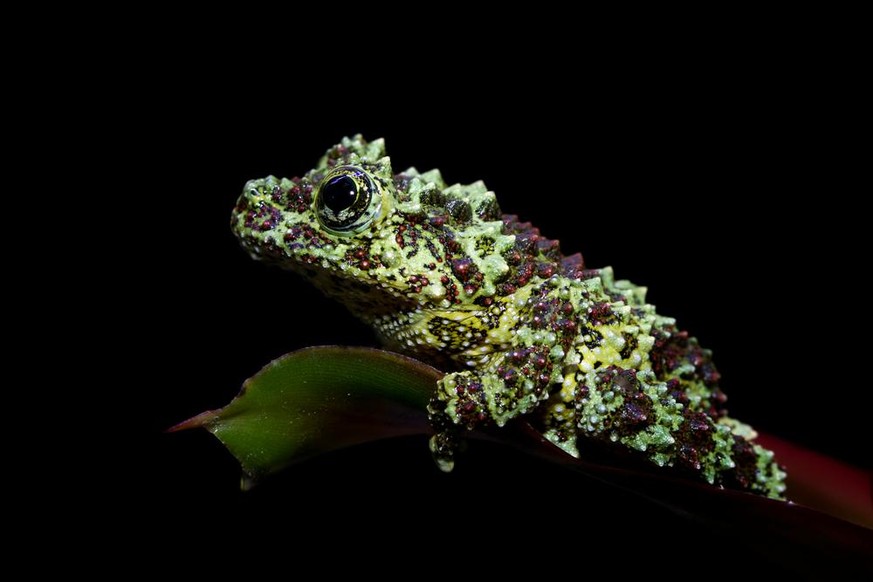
(317, 400)
(199, 421)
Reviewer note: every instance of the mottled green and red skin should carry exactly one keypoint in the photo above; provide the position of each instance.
(520, 328)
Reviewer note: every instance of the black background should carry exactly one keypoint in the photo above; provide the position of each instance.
(704, 187)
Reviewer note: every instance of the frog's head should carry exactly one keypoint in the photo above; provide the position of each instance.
(375, 240)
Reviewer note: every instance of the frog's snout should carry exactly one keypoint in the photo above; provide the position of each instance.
(262, 194)
(255, 190)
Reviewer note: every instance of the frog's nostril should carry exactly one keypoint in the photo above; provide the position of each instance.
(253, 188)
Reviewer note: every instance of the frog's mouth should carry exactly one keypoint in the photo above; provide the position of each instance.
(363, 300)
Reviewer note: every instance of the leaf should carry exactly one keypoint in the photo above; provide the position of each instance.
(806, 539)
(824, 483)
(317, 400)
(324, 398)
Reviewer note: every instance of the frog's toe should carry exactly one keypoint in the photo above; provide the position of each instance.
(442, 447)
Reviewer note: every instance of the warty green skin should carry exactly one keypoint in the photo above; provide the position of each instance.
(441, 275)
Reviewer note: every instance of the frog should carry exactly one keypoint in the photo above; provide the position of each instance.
(521, 330)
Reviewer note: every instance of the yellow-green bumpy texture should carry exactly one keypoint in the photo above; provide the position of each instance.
(442, 275)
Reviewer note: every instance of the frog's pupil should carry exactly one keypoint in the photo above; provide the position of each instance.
(339, 193)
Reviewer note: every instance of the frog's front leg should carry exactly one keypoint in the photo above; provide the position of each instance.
(513, 385)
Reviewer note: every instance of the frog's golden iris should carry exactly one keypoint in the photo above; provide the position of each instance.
(348, 200)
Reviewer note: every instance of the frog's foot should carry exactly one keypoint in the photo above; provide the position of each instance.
(461, 398)
(443, 446)
(458, 404)
(444, 442)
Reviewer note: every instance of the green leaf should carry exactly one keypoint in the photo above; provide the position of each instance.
(317, 400)
(321, 399)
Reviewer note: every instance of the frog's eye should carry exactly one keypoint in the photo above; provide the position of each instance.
(347, 200)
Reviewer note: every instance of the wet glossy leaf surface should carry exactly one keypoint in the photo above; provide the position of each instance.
(317, 400)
